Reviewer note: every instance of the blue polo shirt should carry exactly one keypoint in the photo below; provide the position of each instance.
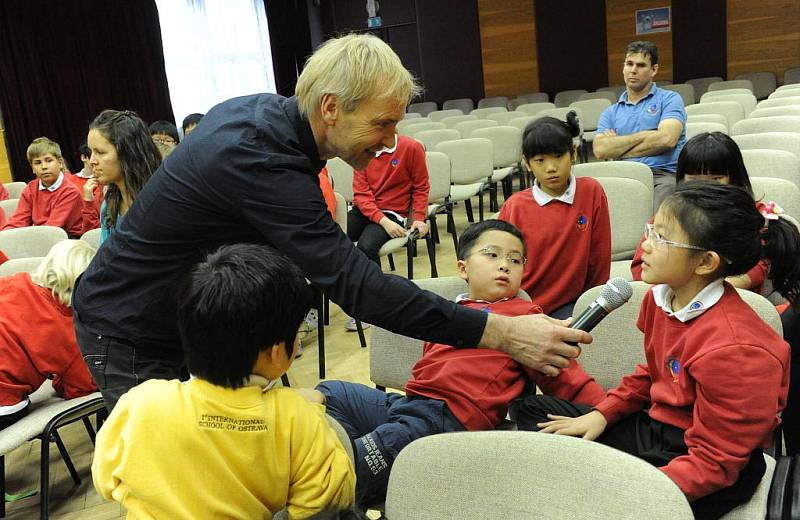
(626, 118)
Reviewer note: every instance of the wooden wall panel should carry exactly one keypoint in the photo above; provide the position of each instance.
(763, 36)
(508, 47)
(5, 168)
(621, 30)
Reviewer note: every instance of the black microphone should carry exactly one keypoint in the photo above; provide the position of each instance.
(612, 296)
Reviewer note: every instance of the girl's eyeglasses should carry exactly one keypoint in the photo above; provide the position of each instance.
(651, 234)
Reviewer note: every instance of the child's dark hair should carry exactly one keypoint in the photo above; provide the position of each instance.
(724, 219)
(164, 127)
(137, 153)
(713, 153)
(474, 232)
(84, 149)
(548, 135)
(242, 299)
(191, 119)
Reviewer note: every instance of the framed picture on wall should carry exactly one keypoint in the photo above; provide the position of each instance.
(650, 21)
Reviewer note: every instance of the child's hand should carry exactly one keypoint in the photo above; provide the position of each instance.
(311, 395)
(88, 189)
(393, 229)
(588, 426)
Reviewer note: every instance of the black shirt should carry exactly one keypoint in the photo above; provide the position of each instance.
(247, 173)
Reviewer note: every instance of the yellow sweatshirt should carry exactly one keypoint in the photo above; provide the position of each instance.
(196, 450)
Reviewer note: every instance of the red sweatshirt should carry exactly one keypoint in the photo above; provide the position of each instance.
(3, 192)
(722, 377)
(477, 384)
(569, 245)
(37, 340)
(757, 274)
(60, 208)
(392, 181)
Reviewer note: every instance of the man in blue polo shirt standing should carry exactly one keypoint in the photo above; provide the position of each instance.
(647, 124)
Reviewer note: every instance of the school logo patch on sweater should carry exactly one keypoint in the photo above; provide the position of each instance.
(582, 222)
(674, 366)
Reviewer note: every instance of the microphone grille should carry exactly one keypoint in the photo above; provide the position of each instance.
(616, 292)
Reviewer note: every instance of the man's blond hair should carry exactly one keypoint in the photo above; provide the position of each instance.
(354, 68)
(65, 262)
(43, 146)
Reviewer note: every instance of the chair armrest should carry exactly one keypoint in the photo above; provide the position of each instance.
(780, 490)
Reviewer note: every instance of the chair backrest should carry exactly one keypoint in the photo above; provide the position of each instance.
(788, 86)
(787, 110)
(561, 114)
(622, 169)
(616, 89)
(430, 138)
(760, 125)
(686, 91)
(483, 112)
(392, 356)
(463, 104)
(734, 83)
(630, 206)
(496, 101)
(30, 241)
(701, 84)
(693, 128)
(784, 192)
(20, 265)
(506, 144)
(611, 96)
(730, 109)
(438, 175)
(517, 474)
(726, 92)
(438, 115)
(14, 189)
(503, 118)
(565, 97)
(708, 118)
(784, 93)
(791, 76)
(780, 102)
(522, 122)
(664, 82)
(412, 115)
(341, 211)
(465, 128)
(422, 108)
(590, 110)
(748, 101)
(535, 108)
(764, 83)
(534, 97)
(92, 237)
(787, 141)
(470, 159)
(341, 176)
(9, 206)
(779, 164)
(412, 130)
(405, 123)
(452, 121)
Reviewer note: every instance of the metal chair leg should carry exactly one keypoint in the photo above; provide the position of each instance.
(89, 429)
(391, 262)
(361, 338)
(431, 242)
(67, 460)
(468, 205)
(285, 380)
(3, 485)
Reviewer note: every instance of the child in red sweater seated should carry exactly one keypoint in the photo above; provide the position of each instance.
(713, 157)
(564, 220)
(451, 389)
(37, 340)
(707, 400)
(50, 199)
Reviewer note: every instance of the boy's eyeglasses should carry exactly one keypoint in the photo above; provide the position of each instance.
(495, 254)
(163, 139)
(651, 234)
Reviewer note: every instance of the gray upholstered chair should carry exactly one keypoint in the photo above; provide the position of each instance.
(512, 474)
(30, 241)
(430, 138)
(700, 85)
(730, 109)
(616, 89)
(726, 92)
(523, 122)
(611, 96)
(630, 207)
(784, 93)
(14, 189)
(503, 118)
(92, 237)
(565, 97)
(781, 101)
(685, 91)
(694, 128)
(463, 104)
(20, 265)
(709, 118)
(622, 169)
(534, 97)
(787, 141)
(465, 128)
(772, 163)
(470, 170)
(439, 200)
(405, 123)
(748, 101)
(590, 111)
(452, 121)
(507, 152)
(764, 83)
(786, 110)
(438, 115)
(485, 111)
(414, 129)
(534, 108)
(422, 108)
(784, 192)
(767, 124)
(341, 175)
(734, 83)
(495, 101)
(791, 76)
(9, 206)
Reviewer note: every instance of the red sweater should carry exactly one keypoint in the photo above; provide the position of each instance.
(569, 245)
(757, 274)
(731, 377)
(392, 181)
(37, 340)
(477, 384)
(3, 192)
(60, 208)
